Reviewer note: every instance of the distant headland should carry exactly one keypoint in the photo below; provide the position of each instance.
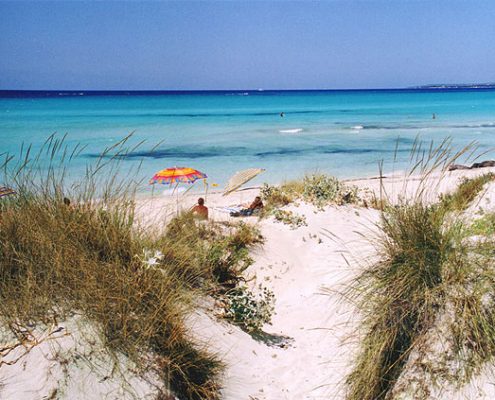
(457, 86)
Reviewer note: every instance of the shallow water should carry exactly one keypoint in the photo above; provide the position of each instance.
(344, 133)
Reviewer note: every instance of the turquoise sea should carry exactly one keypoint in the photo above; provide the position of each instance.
(343, 133)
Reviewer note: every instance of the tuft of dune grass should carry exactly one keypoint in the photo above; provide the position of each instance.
(400, 296)
(427, 269)
(465, 193)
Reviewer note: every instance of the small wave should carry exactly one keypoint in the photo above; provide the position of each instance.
(486, 125)
(296, 130)
(417, 127)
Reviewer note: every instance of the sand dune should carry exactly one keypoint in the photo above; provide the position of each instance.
(307, 351)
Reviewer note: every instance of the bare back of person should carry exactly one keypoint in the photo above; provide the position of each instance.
(200, 210)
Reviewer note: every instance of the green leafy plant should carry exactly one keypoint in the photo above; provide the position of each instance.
(290, 218)
(483, 226)
(248, 310)
(317, 189)
(320, 189)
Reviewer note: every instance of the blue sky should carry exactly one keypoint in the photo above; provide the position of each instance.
(245, 45)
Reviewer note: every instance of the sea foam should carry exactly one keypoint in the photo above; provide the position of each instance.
(296, 130)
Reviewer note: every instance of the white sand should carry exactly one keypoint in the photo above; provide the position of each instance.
(69, 361)
(308, 269)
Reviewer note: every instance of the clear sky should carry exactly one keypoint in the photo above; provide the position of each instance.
(245, 45)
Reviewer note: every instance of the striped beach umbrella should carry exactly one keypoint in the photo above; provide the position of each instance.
(177, 175)
(5, 191)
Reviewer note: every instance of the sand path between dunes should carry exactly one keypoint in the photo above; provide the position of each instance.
(306, 270)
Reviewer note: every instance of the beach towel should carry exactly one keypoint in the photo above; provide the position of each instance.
(229, 209)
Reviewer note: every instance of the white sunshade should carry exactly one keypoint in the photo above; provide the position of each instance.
(240, 178)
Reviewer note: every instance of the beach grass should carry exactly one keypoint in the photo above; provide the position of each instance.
(399, 297)
(428, 271)
(90, 257)
(465, 193)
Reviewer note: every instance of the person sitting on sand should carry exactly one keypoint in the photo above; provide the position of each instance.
(255, 206)
(200, 210)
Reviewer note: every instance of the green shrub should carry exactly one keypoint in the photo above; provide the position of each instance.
(321, 189)
(275, 195)
(290, 218)
(483, 226)
(317, 189)
(209, 254)
(248, 310)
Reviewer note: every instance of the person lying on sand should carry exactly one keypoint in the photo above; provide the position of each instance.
(200, 210)
(255, 207)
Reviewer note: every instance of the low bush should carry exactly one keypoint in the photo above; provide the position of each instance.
(317, 189)
(275, 197)
(249, 310)
(209, 253)
(290, 218)
(484, 226)
(323, 189)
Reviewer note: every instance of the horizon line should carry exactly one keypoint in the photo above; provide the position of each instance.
(473, 86)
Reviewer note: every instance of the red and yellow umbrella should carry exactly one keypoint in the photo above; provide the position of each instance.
(177, 175)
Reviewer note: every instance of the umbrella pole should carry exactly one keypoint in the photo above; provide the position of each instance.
(177, 194)
(206, 190)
